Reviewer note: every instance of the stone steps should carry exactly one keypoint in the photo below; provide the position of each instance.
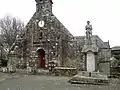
(95, 79)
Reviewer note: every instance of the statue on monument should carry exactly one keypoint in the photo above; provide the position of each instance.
(88, 28)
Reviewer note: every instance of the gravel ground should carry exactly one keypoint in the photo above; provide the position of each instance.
(34, 82)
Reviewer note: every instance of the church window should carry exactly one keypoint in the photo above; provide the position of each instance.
(40, 35)
(47, 5)
(58, 37)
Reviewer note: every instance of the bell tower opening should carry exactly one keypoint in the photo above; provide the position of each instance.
(44, 6)
(41, 58)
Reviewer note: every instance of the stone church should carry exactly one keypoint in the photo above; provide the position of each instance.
(46, 39)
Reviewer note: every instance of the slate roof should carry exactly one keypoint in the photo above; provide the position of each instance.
(100, 43)
(116, 48)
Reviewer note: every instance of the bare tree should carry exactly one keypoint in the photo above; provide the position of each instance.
(10, 28)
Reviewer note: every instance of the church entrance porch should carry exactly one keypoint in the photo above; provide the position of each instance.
(41, 58)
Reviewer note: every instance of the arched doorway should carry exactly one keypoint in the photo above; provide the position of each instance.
(41, 57)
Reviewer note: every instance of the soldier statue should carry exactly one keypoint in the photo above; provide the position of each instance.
(88, 28)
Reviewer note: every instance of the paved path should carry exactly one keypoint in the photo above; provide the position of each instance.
(33, 82)
(5, 76)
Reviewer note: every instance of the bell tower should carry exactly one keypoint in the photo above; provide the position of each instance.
(44, 6)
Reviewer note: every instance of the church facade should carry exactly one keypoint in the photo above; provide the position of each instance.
(46, 39)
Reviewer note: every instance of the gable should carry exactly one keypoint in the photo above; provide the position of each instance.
(53, 28)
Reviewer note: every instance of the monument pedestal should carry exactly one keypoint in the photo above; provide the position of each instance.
(90, 76)
(84, 77)
(89, 51)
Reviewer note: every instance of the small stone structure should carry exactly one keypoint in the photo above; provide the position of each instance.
(115, 62)
(91, 54)
(12, 61)
(90, 51)
(115, 72)
(65, 71)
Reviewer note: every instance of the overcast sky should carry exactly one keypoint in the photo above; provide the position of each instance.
(103, 14)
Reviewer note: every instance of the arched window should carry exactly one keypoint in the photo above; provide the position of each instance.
(40, 35)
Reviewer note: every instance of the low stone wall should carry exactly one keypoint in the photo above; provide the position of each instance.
(115, 72)
(65, 71)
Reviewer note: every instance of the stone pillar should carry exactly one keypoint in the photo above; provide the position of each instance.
(96, 62)
(84, 62)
